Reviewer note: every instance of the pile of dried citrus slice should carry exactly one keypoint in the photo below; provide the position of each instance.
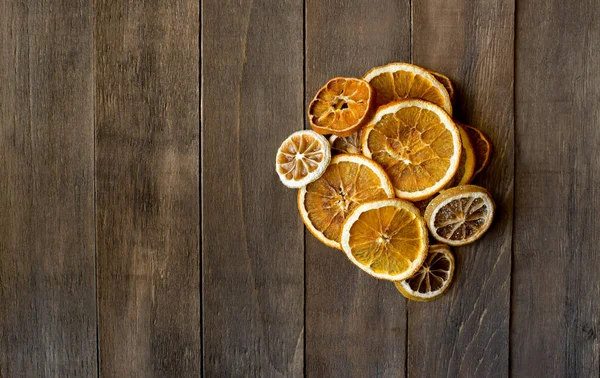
(400, 174)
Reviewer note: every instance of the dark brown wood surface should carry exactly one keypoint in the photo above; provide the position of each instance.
(144, 232)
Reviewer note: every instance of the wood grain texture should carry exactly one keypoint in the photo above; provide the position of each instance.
(555, 304)
(466, 332)
(355, 324)
(147, 198)
(47, 288)
(252, 246)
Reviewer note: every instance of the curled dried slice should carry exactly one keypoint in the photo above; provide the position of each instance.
(460, 215)
(433, 278)
(397, 81)
(346, 145)
(466, 166)
(341, 107)
(348, 181)
(386, 238)
(482, 146)
(446, 82)
(302, 158)
(417, 144)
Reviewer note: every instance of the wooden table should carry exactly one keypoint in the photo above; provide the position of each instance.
(144, 232)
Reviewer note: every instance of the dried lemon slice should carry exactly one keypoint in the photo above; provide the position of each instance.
(397, 81)
(460, 215)
(417, 144)
(302, 158)
(433, 278)
(348, 181)
(341, 107)
(386, 238)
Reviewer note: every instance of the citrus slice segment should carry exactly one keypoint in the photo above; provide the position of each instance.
(302, 158)
(397, 81)
(433, 278)
(446, 82)
(386, 238)
(460, 215)
(348, 181)
(466, 167)
(341, 107)
(346, 145)
(417, 144)
(482, 146)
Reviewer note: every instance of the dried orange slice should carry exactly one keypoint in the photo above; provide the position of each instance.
(341, 107)
(346, 145)
(433, 278)
(386, 238)
(482, 146)
(302, 158)
(446, 82)
(460, 215)
(466, 166)
(417, 144)
(397, 81)
(348, 181)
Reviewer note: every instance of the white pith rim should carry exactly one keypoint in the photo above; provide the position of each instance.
(321, 167)
(399, 204)
(446, 121)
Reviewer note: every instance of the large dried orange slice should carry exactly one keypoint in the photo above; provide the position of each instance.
(433, 278)
(386, 238)
(446, 82)
(417, 144)
(466, 166)
(348, 181)
(482, 146)
(302, 158)
(397, 81)
(346, 145)
(341, 107)
(460, 215)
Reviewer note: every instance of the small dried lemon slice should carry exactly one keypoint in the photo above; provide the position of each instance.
(433, 278)
(386, 238)
(346, 145)
(302, 158)
(348, 181)
(445, 81)
(482, 146)
(466, 166)
(341, 107)
(460, 215)
(397, 81)
(417, 144)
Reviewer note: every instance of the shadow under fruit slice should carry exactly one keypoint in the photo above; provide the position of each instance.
(348, 181)
(417, 144)
(302, 158)
(460, 215)
(397, 81)
(433, 278)
(386, 238)
(341, 107)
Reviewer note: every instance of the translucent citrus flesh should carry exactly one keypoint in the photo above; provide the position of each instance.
(462, 218)
(387, 240)
(300, 156)
(340, 190)
(482, 147)
(341, 104)
(413, 146)
(398, 85)
(347, 145)
(432, 275)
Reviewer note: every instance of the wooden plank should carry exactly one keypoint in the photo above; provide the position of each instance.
(555, 310)
(355, 325)
(252, 240)
(47, 284)
(466, 332)
(147, 163)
